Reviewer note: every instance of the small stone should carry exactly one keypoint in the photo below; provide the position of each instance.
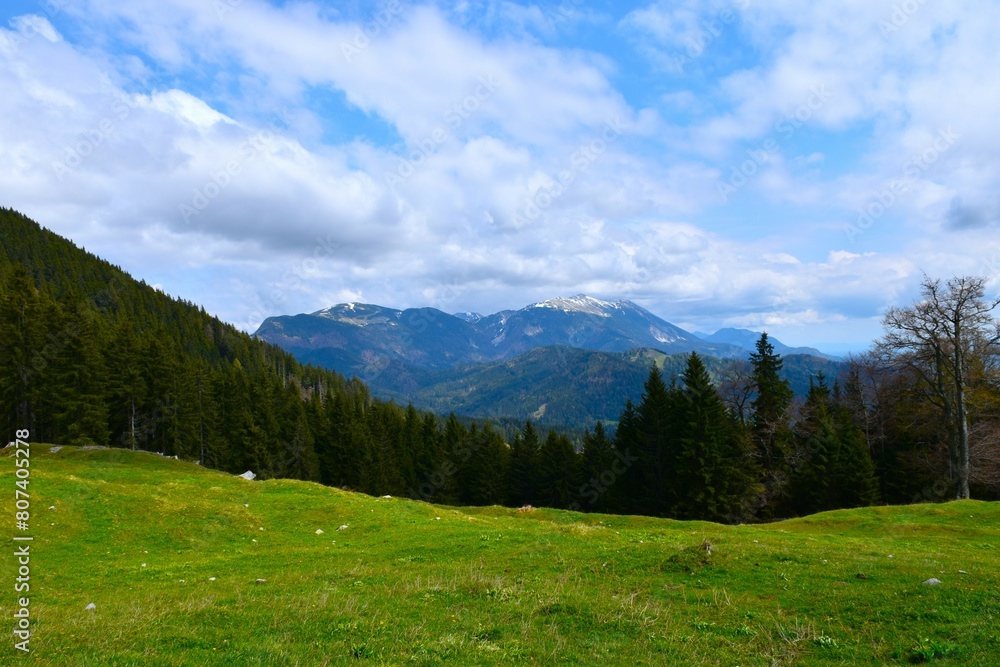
(932, 582)
(319, 531)
(261, 581)
(90, 606)
(437, 518)
(211, 578)
(144, 565)
(344, 527)
(962, 572)
(182, 581)
(387, 496)
(53, 507)
(246, 504)
(262, 527)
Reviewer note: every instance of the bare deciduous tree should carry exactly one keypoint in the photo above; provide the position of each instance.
(737, 388)
(939, 338)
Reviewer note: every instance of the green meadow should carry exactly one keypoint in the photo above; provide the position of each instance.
(187, 566)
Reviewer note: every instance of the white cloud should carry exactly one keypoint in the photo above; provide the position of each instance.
(492, 179)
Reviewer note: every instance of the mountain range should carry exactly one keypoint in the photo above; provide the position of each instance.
(565, 360)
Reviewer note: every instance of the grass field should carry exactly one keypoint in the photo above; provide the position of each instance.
(171, 555)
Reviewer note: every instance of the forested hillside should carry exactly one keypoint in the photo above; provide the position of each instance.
(88, 356)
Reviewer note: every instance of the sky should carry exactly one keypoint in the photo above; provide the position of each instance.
(788, 166)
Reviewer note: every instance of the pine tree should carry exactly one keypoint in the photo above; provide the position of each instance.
(21, 349)
(855, 483)
(81, 376)
(769, 425)
(816, 452)
(714, 475)
(628, 443)
(599, 490)
(127, 388)
(485, 470)
(522, 478)
(657, 443)
(558, 472)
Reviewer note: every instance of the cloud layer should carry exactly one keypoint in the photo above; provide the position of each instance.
(786, 167)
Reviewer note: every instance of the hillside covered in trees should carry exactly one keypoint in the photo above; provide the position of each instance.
(90, 356)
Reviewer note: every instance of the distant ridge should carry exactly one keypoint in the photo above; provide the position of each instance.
(747, 339)
(349, 336)
(578, 356)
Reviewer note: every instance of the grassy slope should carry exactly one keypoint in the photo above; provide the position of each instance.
(477, 586)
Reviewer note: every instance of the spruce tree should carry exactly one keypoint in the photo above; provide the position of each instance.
(558, 472)
(713, 475)
(769, 426)
(522, 478)
(816, 451)
(628, 443)
(20, 348)
(599, 486)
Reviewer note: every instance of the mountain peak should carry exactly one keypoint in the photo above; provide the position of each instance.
(581, 303)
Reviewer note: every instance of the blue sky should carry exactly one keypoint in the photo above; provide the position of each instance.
(784, 166)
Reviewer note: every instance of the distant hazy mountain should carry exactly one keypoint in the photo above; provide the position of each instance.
(567, 361)
(354, 338)
(747, 339)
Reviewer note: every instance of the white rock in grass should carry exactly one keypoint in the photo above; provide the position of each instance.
(319, 531)
(90, 607)
(932, 582)
(261, 581)
(344, 527)
(211, 578)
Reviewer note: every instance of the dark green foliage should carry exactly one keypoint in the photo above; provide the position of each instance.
(89, 356)
(558, 472)
(714, 474)
(577, 387)
(601, 470)
(657, 446)
(832, 467)
(522, 477)
(769, 426)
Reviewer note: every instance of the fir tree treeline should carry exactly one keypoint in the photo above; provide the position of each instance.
(89, 356)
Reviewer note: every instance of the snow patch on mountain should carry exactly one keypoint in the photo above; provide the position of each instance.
(661, 335)
(581, 303)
